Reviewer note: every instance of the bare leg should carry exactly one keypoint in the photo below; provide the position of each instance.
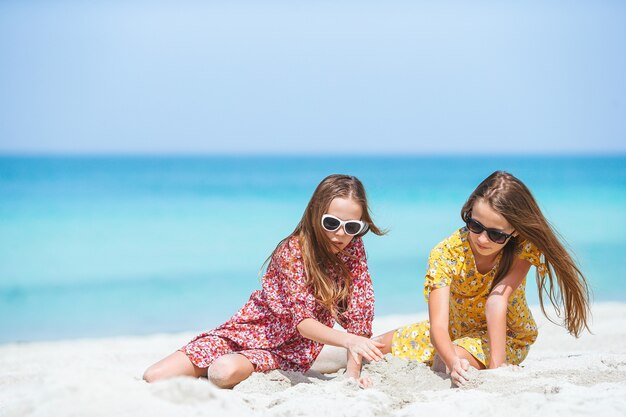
(440, 366)
(176, 364)
(229, 370)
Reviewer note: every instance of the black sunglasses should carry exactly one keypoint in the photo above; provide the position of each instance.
(494, 235)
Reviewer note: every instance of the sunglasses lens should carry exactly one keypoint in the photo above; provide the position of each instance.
(330, 223)
(497, 237)
(352, 228)
(474, 226)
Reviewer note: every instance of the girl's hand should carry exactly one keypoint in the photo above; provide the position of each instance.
(359, 346)
(365, 382)
(458, 374)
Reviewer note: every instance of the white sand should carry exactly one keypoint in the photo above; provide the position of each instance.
(561, 376)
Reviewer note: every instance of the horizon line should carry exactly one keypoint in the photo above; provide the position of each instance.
(320, 154)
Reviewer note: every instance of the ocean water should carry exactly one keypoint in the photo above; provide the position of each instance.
(101, 246)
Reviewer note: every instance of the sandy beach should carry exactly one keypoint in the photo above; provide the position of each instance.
(102, 377)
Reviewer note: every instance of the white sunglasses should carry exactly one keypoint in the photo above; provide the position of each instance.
(331, 223)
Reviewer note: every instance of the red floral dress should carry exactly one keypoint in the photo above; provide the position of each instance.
(264, 330)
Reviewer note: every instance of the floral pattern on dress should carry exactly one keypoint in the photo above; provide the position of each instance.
(265, 329)
(451, 263)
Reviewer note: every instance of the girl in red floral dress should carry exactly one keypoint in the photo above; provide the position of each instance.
(316, 276)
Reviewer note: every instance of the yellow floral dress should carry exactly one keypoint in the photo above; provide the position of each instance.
(451, 263)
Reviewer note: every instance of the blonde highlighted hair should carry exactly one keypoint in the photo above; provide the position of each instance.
(561, 279)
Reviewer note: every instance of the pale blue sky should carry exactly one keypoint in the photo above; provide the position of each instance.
(313, 77)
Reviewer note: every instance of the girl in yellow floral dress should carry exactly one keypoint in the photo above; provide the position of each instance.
(475, 285)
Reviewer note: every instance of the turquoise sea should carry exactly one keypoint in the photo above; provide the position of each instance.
(101, 246)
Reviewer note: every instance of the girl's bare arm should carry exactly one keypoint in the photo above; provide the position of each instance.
(496, 309)
(439, 314)
(358, 346)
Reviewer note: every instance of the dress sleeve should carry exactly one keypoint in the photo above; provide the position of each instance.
(441, 268)
(284, 285)
(359, 316)
(528, 251)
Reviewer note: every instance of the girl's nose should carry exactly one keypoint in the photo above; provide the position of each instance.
(340, 231)
(483, 238)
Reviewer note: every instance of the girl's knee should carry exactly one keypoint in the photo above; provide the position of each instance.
(154, 373)
(226, 371)
(221, 374)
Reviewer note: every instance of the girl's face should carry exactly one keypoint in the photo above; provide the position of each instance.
(491, 219)
(344, 209)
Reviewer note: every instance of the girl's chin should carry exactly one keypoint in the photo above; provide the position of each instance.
(336, 248)
(483, 250)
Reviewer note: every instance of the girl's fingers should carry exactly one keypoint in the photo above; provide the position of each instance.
(375, 353)
(378, 353)
(459, 379)
(368, 350)
(365, 382)
(462, 375)
(373, 350)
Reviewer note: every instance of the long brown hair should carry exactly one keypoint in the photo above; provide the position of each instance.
(513, 200)
(320, 263)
